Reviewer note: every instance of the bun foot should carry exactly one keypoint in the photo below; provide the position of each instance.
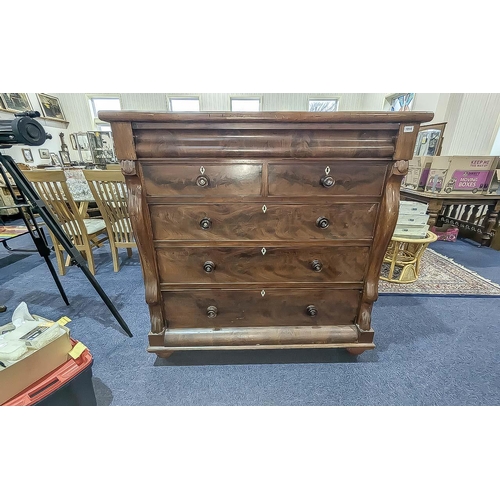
(165, 354)
(355, 350)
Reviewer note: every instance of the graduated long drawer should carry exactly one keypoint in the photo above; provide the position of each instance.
(266, 222)
(266, 307)
(226, 265)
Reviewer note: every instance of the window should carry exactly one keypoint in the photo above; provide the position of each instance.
(247, 104)
(323, 105)
(184, 104)
(100, 104)
(401, 102)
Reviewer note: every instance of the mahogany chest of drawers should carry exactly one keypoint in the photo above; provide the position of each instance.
(262, 230)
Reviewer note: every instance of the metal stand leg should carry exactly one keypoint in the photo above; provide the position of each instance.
(31, 195)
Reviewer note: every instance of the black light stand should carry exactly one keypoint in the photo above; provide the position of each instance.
(25, 130)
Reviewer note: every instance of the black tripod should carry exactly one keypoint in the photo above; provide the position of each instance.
(28, 194)
(36, 232)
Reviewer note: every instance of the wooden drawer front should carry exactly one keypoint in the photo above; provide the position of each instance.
(249, 222)
(305, 178)
(261, 265)
(277, 307)
(202, 179)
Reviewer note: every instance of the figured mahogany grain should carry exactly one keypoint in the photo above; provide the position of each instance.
(224, 179)
(303, 178)
(252, 265)
(250, 222)
(278, 307)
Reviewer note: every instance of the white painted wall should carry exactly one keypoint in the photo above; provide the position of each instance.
(472, 124)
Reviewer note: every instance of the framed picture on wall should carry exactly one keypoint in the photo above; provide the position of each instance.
(55, 160)
(16, 102)
(83, 141)
(27, 155)
(65, 157)
(51, 107)
(44, 154)
(72, 138)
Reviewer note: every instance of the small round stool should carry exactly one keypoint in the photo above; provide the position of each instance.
(402, 259)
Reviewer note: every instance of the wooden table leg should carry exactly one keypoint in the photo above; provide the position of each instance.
(435, 207)
(490, 225)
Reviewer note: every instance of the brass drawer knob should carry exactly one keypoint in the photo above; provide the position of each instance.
(205, 223)
(209, 266)
(211, 312)
(322, 222)
(202, 181)
(327, 181)
(316, 266)
(312, 311)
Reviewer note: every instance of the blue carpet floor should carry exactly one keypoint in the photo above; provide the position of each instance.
(430, 350)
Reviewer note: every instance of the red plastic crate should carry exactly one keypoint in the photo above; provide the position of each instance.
(53, 380)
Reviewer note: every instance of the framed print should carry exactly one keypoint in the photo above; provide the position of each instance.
(16, 102)
(27, 155)
(72, 138)
(83, 141)
(66, 160)
(44, 154)
(55, 160)
(51, 107)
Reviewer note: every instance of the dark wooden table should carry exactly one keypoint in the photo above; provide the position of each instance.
(475, 214)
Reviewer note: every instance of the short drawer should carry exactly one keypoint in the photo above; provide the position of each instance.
(327, 178)
(211, 266)
(202, 179)
(266, 222)
(266, 307)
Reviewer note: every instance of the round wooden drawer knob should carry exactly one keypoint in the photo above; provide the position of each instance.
(211, 312)
(205, 223)
(202, 181)
(327, 181)
(316, 266)
(209, 266)
(322, 222)
(312, 311)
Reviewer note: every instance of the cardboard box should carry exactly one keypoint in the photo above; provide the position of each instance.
(33, 366)
(411, 232)
(418, 172)
(413, 219)
(412, 208)
(461, 174)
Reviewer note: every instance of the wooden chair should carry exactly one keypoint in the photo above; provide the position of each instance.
(53, 190)
(110, 193)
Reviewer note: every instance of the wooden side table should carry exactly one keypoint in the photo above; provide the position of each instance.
(402, 259)
(476, 214)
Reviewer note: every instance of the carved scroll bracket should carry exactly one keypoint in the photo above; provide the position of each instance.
(388, 216)
(140, 224)
(128, 167)
(400, 167)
